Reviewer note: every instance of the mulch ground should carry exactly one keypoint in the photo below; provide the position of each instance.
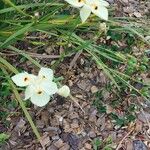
(65, 124)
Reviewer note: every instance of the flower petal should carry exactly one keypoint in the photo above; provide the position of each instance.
(49, 87)
(40, 99)
(64, 91)
(28, 92)
(76, 3)
(23, 79)
(101, 12)
(85, 13)
(97, 2)
(46, 73)
(103, 3)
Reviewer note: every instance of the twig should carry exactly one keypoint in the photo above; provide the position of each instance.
(35, 55)
(4, 54)
(119, 145)
(75, 101)
(72, 63)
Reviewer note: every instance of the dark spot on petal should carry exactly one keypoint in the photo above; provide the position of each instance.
(43, 77)
(96, 7)
(39, 92)
(26, 79)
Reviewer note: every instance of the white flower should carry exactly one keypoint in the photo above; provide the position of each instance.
(43, 87)
(64, 91)
(98, 7)
(40, 88)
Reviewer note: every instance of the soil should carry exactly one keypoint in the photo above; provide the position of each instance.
(65, 124)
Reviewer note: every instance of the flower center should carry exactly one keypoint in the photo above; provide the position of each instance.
(94, 6)
(43, 77)
(80, 1)
(26, 79)
(39, 92)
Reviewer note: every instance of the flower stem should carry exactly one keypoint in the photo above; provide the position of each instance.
(10, 67)
(16, 8)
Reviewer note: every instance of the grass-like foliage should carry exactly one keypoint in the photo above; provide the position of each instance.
(62, 24)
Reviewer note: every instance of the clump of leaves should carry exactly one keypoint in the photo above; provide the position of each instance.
(137, 66)
(105, 144)
(96, 143)
(129, 113)
(3, 137)
(98, 103)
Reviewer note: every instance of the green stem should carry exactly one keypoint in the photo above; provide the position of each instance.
(16, 8)
(9, 66)
(25, 55)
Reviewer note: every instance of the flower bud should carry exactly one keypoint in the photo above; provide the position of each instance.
(64, 91)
